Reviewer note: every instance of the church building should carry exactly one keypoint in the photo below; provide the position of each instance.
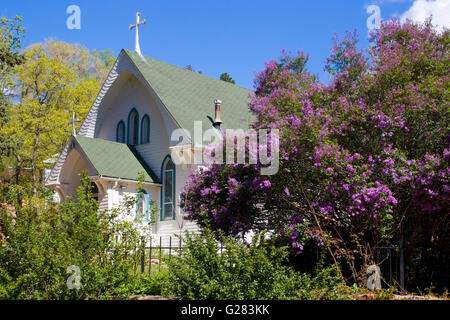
(128, 131)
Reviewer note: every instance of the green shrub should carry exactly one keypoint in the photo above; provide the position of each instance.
(326, 284)
(142, 285)
(240, 272)
(42, 242)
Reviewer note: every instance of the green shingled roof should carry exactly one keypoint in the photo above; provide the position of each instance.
(115, 160)
(189, 96)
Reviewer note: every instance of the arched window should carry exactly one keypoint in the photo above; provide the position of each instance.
(142, 205)
(120, 132)
(133, 127)
(145, 129)
(168, 189)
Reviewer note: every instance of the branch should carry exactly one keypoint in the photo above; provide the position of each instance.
(320, 228)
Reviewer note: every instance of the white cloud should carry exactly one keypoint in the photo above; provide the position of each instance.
(422, 9)
(382, 2)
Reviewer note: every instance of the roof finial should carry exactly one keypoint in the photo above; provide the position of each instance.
(74, 119)
(136, 40)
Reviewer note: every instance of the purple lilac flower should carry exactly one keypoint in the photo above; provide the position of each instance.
(267, 184)
(286, 190)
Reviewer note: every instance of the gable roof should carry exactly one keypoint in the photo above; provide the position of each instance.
(114, 159)
(189, 96)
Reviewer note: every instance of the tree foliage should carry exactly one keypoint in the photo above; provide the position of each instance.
(227, 78)
(11, 33)
(56, 79)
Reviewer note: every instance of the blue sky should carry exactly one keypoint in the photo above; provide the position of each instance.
(234, 36)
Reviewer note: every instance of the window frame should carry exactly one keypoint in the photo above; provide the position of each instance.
(137, 127)
(121, 122)
(145, 134)
(163, 217)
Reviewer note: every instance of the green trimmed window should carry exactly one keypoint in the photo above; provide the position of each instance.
(168, 189)
(145, 129)
(120, 132)
(133, 127)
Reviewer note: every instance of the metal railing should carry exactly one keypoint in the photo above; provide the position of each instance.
(160, 250)
(390, 259)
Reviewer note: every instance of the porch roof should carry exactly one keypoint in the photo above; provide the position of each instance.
(115, 160)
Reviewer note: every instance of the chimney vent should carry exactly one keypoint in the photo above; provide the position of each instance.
(217, 120)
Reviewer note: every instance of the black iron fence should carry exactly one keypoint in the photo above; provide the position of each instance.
(163, 249)
(389, 259)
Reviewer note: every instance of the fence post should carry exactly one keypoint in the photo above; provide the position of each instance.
(160, 246)
(402, 267)
(170, 247)
(143, 261)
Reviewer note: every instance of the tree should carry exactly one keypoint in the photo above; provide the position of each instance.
(57, 79)
(86, 65)
(11, 33)
(364, 160)
(226, 77)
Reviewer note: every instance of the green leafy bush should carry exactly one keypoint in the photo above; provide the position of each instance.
(40, 243)
(241, 271)
(326, 284)
(143, 285)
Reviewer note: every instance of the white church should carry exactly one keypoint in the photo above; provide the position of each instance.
(128, 131)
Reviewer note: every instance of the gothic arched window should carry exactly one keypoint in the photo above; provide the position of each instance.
(133, 127)
(120, 132)
(145, 129)
(168, 189)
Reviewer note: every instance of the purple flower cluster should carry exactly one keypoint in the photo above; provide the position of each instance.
(369, 149)
(227, 197)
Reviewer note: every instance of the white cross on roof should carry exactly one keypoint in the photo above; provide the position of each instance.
(138, 23)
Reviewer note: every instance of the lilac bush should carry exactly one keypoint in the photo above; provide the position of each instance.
(364, 159)
(227, 197)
